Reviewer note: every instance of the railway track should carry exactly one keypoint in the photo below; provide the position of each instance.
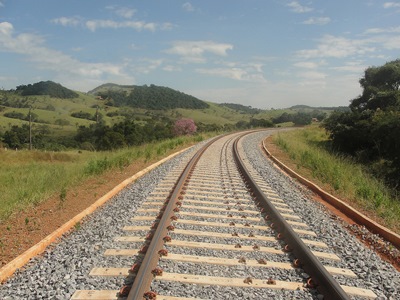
(217, 230)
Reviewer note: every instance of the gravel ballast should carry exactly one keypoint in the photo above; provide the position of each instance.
(373, 273)
(64, 267)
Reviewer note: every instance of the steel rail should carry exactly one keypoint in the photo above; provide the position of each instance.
(325, 283)
(144, 276)
(342, 206)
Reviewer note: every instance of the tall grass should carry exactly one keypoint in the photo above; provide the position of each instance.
(30, 177)
(309, 149)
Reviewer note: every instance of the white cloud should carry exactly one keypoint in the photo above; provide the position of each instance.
(134, 46)
(256, 66)
(148, 65)
(312, 78)
(1, 4)
(6, 28)
(170, 68)
(32, 47)
(337, 47)
(317, 21)
(233, 73)
(352, 67)
(7, 78)
(385, 40)
(194, 51)
(65, 21)
(392, 43)
(124, 12)
(391, 4)
(388, 38)
(188, 6)
(77, 49)
(313, 75)
(93, 25)
(249, 66)
(166, 26)
(192, 60)
(298, 8)
(280, 94)
(306, 65)
(237, 71)
(383, 30)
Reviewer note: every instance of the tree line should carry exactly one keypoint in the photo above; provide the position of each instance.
(241, 108)
(99, 136)
(151, 97)
(370, 131)
(50, 88)
(128, 133)
(300, 118)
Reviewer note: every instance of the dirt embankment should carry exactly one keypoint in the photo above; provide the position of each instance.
(24, 229)
(385, 249)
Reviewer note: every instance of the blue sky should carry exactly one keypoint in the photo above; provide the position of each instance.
(261, 53)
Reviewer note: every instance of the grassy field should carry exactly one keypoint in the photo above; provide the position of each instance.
(49, 110)
(214, 114)
(345, 178)
(29, 177)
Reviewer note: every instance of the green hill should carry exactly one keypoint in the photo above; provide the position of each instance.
(241, 108)
(148, 97)
(57, 113)
(302, 107)
(49, 88)
(55, 117)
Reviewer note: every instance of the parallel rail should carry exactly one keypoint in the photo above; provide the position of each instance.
(320, 277)
(144, 276)
(211, 215)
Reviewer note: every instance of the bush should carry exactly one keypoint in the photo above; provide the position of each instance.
(184, 127)
(15, 115)
(83, 115)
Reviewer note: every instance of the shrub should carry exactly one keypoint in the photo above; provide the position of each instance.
(184, 127)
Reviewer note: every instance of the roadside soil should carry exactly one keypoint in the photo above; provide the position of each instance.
(26, 228)
(385, 249)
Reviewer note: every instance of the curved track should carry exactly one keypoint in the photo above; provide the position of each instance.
(218, 230)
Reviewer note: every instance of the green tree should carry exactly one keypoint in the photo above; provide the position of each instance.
(184, 127)
(17, 137)
(62, 122)
(302, 118)
(371, 131)
(46, 88)
(380, 88)
(151, 97)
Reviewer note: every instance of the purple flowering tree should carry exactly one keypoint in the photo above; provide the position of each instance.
(184, 127)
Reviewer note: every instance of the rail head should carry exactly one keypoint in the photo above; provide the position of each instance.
(324, 281)
(326, 284)
(144, 275)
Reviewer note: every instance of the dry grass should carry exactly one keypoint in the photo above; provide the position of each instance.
(347, 179)
(29, 177)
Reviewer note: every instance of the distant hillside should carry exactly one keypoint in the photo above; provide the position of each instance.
(49, 88)
(241, 108)
(56, 119)
(147, 97)
(338, 108)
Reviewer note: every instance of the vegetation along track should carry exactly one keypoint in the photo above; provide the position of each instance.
(219, 231)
